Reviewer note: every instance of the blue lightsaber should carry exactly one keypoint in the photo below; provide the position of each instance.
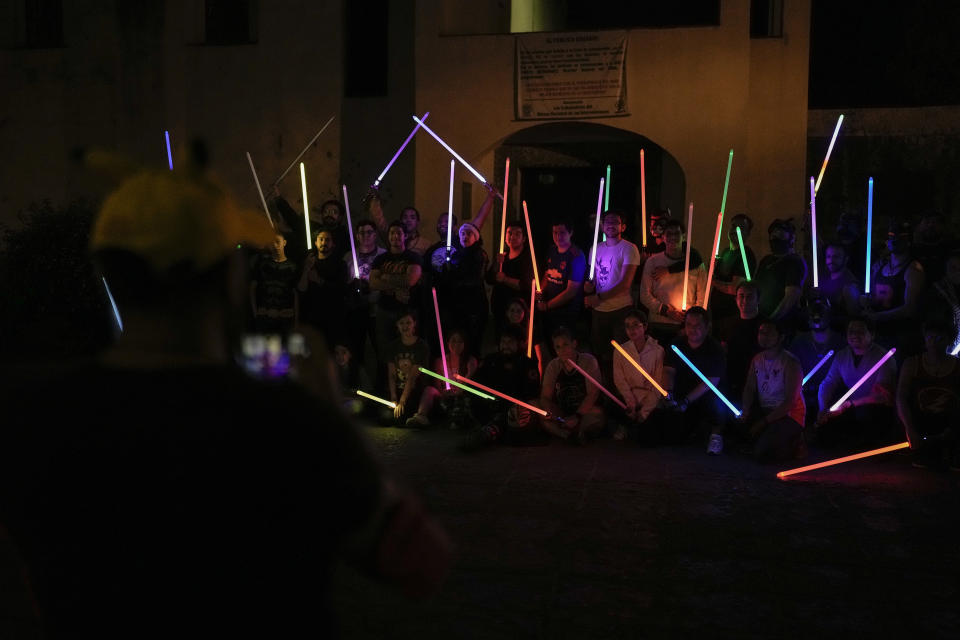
(706, 381)
(866, 278)
(113, 303)
(816, 367)
(169, 153)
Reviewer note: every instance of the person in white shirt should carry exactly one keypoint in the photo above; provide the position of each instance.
(638, 394)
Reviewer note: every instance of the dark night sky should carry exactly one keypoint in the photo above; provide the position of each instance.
(870, 54)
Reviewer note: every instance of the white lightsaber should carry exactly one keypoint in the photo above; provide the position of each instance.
(353, 242)
(263, 200)
(452, 152)
(292, 164)
(823, 168)
(306, 209)
(453, 166)
(596, 233)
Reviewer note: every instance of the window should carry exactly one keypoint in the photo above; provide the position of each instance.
(365, 49)
(766, 18)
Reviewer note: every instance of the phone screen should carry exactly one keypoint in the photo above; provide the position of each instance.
(268, 357)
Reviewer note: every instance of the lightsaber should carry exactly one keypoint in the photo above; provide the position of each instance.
(816, 367)
(723, 203)
(453, 165)
(866, 277)
(353, 242)
(706, 380)
(503, 218)
(686, 265)
(859, 383)
(637, 366)
(306, 209)
(452, 152)
(823, 168)
(643, 198)
(597, 384)
(113, 303)
(533, 257)
(503, 395)
(364, 394)
(606, 194)
(813, 228)
(292, 164)
(856, 456)
(376, 183)
(443, 349)
(263, 200)
(533, 303)
(746, 266)
(713, 262)
(596, 233)
(449, 382)
(956, 349)
(166, 134)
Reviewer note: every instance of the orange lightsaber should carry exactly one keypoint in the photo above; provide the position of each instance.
(443, 349)
(713, 261)
(503, 218)
(597, 384)
(643, 198)
(836, 130)
(533, 304)
(636, 364)
(856, 456)
(502, 395)
(533, 257)
(686, 265)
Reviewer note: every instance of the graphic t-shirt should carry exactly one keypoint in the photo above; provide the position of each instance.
(561, 269)
(407, 357)
(612, 264)
(395, 264)
(772, 383)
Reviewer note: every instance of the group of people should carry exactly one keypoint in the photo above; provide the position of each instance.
(755, 329)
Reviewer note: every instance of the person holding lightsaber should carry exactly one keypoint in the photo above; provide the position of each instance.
(780, 276)
(561, 298)
(866, 416)
(396, 275)
(362, 301)
(812, 346)
(637, 392)
(323, 278)
(511, 274)
(775, 425)
(728, 271)
(410, 389)
(574, 413)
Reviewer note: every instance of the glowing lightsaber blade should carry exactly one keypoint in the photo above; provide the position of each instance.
(637, 366)
(533, 257)
(392, 405)
(856, 456)
(706, 380)
(643, 199)
(743, 256)
(813, 231)
(859, 383)
(443, 349)
(263, 200)
(713, 262)
(597, 384)
(502, 395)
(723, 203)
(956, 349)
(686, 265)
(606, 194)
(353, 242)
(533, 304)
(866, 277)
(453, 166)
(596, 233)
(113, 303)
(306, 209)
(376, 183)
(816, 367)
(295, 160)
(503, 218)
(453, 153)
(166, 134)
(823, 168)
(449, 382)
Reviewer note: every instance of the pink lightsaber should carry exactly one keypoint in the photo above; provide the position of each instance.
(643, 199)
(502, 395)
(596, 233)
(353, 242)
(443, 349)
(453, 166)
(503, 218)
(533, 257)
(686, 265)
(597, 384)
(376, 183)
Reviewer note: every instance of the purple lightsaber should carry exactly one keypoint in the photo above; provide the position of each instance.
(376, 183)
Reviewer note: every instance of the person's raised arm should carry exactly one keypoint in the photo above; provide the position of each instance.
(485, 208)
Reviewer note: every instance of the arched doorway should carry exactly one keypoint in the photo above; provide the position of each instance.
(556, 168)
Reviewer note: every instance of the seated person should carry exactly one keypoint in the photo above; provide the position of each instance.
(693, 409)
(928, 399)
(351, 376)
(455, 402)
(572, 401)
(812, 346)
(638, 394)
(776, 425)
(509, 371)
(407, 386)
(866, 417)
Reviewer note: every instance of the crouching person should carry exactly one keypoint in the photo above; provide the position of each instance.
(570, 400)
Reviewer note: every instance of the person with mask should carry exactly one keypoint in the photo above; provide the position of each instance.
(896, 284)
(780, 277)
(813, 345)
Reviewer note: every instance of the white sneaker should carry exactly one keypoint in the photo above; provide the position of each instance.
(715, 447)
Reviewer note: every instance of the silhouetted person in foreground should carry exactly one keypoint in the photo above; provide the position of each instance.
(164, 493)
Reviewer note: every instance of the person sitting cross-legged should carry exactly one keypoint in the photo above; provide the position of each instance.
(407, 386)
(570, 400)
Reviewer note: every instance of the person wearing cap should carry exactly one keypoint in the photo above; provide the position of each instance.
(166, 492)
(780, 277)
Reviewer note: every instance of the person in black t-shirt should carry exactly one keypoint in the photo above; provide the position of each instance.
(273, 291)
(396, 275)
(780, 277)
(323, 284)
(511, 275)
(729, 272)
(561, 296)
(739, 336)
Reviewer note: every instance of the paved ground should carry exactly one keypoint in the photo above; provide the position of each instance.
(613, 541)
